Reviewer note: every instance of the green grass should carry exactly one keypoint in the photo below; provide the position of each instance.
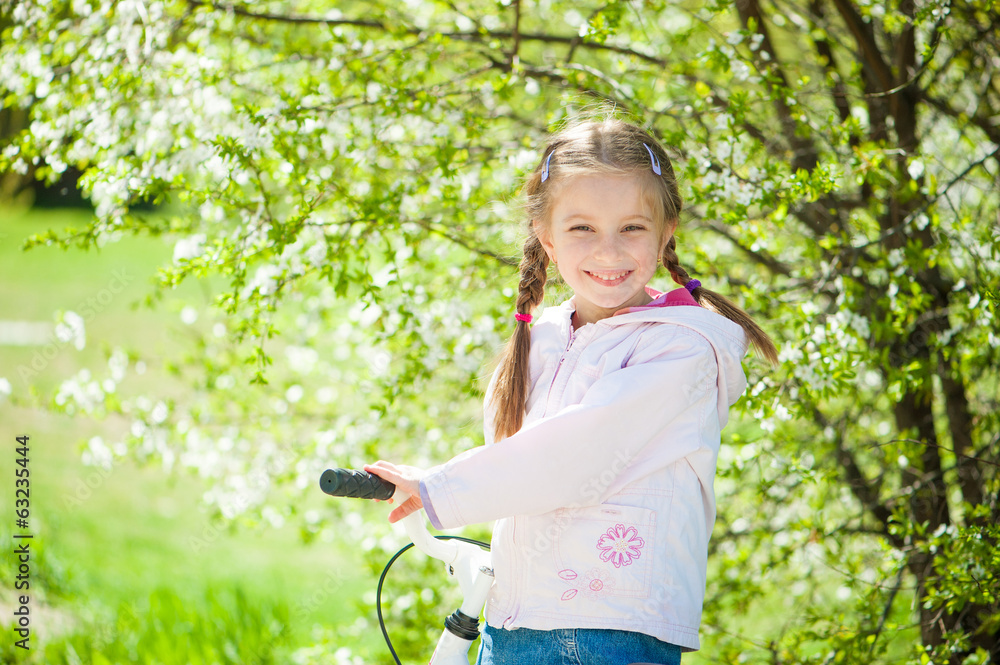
(131, 547)
(226, 628)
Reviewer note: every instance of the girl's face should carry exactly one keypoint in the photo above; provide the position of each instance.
(604, 242)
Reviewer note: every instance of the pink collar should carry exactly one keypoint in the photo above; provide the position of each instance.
(679, 296)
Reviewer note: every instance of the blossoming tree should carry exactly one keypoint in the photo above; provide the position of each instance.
(344, 177)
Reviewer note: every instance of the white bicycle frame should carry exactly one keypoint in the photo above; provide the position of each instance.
(471, 566)
(465, 561)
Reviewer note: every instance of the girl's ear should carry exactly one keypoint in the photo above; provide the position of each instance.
(542, 233)
(668, 233)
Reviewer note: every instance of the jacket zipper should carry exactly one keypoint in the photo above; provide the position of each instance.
(519, 573)
(515, 606)
(562, 359)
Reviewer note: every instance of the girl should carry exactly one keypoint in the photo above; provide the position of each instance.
(606, 414)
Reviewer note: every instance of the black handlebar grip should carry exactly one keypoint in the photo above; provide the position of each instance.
(355, 484)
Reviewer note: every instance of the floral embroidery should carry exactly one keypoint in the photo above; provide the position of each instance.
(620, 545)
(593, 584)
(568, 575)
(598, 581)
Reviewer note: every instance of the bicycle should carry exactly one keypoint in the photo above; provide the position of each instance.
(465, 559)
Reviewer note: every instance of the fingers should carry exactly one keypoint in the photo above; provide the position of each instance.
(407, 481)
(391, 472)
(408, 507)
(385, 471)
(382, 469)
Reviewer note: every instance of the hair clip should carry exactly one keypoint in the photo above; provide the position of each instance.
(523, 317)
(652, 159)
(545, 170)
(692, 285)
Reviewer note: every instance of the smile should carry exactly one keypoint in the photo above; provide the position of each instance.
(610, 278)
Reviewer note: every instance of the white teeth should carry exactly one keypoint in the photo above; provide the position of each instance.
(610, 278)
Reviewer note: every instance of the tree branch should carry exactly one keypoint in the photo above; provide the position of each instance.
(463, 242)
(901, 226)
(804, 155)
(479, 36)
(517, 34)
(760, 256)
(984, 123)
(862, 487)
(864, 37)
(886, 611)
(838, 93)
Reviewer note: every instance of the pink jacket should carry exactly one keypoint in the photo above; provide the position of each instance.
(604, 499)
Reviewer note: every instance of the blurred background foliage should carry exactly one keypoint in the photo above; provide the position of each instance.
(333, 189)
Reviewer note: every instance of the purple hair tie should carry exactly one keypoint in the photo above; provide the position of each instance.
(523, 317)
(692, 285)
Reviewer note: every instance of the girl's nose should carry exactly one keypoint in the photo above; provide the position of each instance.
(608, 247)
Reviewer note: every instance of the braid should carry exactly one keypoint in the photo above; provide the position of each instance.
(510, 394)
(671, 263)
(534, 266)
(719, 304)
(607, 147)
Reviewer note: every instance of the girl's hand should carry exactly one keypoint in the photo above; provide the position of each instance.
(406, 479)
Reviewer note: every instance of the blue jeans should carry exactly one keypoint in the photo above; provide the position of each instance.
(573, 646)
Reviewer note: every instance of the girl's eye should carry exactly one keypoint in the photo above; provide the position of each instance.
(635, 227)
(580, 227)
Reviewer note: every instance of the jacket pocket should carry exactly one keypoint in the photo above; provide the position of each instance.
(606, 550)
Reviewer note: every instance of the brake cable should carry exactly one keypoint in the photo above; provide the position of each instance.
(385, 571)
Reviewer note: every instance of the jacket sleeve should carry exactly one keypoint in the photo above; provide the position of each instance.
(554, 462)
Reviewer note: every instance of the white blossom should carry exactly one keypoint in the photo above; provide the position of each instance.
(190, 247)
(70, 328)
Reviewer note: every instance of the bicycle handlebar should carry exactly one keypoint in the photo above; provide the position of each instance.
(355, 484)
(363, 485)
(467, 562)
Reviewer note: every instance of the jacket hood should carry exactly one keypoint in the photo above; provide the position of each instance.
(679, 308)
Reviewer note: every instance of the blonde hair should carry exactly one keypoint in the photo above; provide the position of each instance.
(611, 147)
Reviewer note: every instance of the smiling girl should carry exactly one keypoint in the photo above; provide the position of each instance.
(602, 422)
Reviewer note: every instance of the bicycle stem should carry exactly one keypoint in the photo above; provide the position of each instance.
(470, 565)
(416, 529)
